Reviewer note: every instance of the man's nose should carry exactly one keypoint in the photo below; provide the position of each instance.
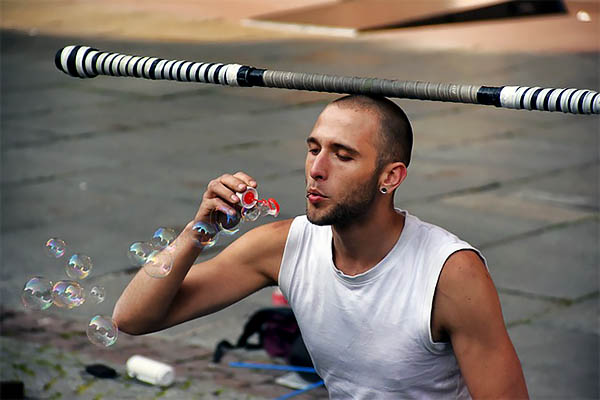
(319, 167)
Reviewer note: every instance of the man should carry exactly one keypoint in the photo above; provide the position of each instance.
(389, 307)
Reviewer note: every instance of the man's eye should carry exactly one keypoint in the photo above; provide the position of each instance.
(344, 158)
(313, 151)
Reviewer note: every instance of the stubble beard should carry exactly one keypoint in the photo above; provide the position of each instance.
(352, 209)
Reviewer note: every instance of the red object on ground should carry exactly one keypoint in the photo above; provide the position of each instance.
(278, 299)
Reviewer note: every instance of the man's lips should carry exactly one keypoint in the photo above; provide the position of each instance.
(314, 196)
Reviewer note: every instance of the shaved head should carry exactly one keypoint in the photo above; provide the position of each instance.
(395, 139)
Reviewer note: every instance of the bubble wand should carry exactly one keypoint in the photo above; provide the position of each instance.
(220, 223)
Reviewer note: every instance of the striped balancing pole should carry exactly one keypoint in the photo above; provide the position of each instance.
(86, 62)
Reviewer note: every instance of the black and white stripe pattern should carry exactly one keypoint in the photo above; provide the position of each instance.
(575, 101)
(86, 62)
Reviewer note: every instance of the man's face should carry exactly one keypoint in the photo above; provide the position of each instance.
(341, 183)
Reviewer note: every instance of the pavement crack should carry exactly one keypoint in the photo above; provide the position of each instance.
(277, 175)
(560, 303)
(423, 115)
(499, 184)
(247, 145)
(35, 180)
(53, 138)
(539, 231)
(503, 135)
(295, 106)
(455, 193)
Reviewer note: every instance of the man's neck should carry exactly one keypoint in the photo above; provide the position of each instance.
(360, 246)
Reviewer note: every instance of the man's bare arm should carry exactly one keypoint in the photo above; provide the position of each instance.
(467, 308)
(247, 265)
(250, 263)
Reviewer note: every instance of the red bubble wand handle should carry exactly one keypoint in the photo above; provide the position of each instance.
(221, 223)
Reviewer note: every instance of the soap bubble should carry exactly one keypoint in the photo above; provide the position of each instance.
(97, 294)
(206, 234)
(102, 331)
(68, 294)
(139, 251)
(251, 214)
(163, 237)
(55, 247)
(159, 263)
(37, 293)
(227, 224)
(79, 266)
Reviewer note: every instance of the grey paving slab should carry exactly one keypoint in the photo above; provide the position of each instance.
(557, 363)
(76, 196)
(110, 151)
(103, 236)
(580, 317)
(31, 164)
(561, 262)
(574, 188)
(544, 126)
(519, 309)
(463, 127)
(134, 112)
(513, 206)
(484, 219)
(139, 88)
(27, 62)
(548, 71)
(95, 205)
(518, 154)
(19, 136)
(39, 100)
(433, 179)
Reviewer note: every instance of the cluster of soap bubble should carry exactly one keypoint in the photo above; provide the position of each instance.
(40, 293)
(155, 256)
(207, 233)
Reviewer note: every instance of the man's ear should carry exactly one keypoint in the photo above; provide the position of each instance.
(393, 175)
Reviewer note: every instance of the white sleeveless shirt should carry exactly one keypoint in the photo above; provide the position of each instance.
(369, 335)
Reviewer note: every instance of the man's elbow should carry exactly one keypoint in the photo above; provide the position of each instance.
(128, 323)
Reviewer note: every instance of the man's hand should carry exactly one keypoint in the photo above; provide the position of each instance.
(220, 195)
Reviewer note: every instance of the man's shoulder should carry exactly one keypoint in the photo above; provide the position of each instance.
(429, 233)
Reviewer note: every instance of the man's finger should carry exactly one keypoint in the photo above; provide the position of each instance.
(224, 192)
(234, 183)
(250, 181)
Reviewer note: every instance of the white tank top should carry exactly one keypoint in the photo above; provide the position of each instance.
(369, 335)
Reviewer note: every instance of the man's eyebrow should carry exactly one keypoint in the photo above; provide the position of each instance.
(312, 140)
(337, 146)
(348, 149)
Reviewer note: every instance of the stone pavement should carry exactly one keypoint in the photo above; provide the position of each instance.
(101, 163)
(50, 354)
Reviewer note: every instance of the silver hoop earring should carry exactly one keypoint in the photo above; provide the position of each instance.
(383, 190)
